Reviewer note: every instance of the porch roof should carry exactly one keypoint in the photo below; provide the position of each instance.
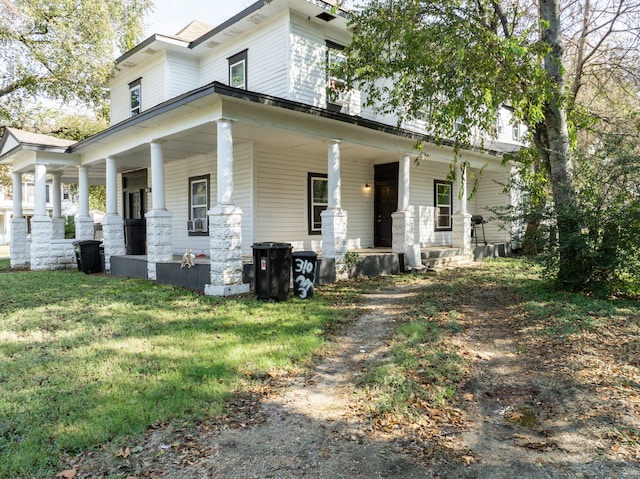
(186, 126)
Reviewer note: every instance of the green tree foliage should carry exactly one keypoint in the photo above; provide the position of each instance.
(62, 49)
(457, 62)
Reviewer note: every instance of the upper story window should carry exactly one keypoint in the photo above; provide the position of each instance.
(444, 205)
(516, 131)
(318, 201)
(135, 97)
(499, 124)
(336, 93)
(238, 70)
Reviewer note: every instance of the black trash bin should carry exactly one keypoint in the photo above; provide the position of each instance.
(135, 235)
(88, 256)
(272, 270)
(304, 273)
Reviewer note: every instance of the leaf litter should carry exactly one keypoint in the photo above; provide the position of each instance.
(529, 403)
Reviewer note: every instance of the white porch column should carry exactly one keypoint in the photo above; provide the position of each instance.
(19, 244)
(225, 223)
(334, 218)
(403, 220)
(83, 220)
(57, 222)
(112, 224)
(158, 218)
(40, 223)
(462, 218)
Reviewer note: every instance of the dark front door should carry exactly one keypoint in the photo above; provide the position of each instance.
(385, 203)
(134, 189)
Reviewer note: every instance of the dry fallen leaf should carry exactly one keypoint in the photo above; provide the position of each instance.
(68, 474)
(467, 396)
(126, 452)
(516, 416)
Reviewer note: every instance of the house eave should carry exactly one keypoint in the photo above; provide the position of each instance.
(268, 100)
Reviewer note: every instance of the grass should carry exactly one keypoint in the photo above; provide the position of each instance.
(426, 368)
(89, 359)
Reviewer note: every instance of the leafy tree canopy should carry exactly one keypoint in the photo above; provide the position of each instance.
(62, 49)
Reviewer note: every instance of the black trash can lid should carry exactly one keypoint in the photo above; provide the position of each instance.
(305, 254)
(268, 245)
(86, 242)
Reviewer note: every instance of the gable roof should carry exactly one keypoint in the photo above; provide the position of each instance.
(193, 31)
(13, 138)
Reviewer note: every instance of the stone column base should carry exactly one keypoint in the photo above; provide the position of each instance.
(462, 232)
(334, 239)
(159, 246)
(84, 228)
(40, 243)
(20, 245)
(57, 228)
(225, 239)
(403, 236)
(113, 238)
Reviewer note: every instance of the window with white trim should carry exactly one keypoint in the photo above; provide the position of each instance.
(135, 97)
(238, 70)
(318, 200)
(516, 131)
(443, 201)
(336, 94)
(198, 222)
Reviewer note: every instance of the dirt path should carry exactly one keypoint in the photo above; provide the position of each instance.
(522, 422)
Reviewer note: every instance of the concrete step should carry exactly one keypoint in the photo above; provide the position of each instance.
(448, 261)
(444, 252)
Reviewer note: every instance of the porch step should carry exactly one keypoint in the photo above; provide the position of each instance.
(447, 261)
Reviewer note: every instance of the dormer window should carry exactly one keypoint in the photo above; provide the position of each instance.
(135, 97)
(238, 70)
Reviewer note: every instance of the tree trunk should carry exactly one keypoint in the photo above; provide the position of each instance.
(571, 272)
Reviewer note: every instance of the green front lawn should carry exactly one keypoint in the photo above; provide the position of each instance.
(87, 359)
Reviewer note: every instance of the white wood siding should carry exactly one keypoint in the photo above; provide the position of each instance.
(282, 207)
(182, 75)
(422, 200)
(491, 193)
(267, 61)
(308, 78)
(177, 174)
(152, 87)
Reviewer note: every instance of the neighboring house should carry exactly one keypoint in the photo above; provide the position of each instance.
(229, 136)
(27, 194)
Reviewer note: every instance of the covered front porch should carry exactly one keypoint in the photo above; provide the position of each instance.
(258, 153)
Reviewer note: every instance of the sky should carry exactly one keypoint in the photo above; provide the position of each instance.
(170, 16)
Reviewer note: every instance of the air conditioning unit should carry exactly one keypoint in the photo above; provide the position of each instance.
(199, 225)
(342, 98)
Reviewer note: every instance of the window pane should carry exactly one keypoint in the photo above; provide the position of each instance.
(199, 193)
(317, 219)
(199, 212)
(135, 99)
(444, 197)
(320, 190)
(237, 75)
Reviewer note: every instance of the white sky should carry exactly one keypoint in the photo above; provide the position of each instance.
(170, 16)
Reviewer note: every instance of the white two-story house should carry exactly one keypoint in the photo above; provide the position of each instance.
(223, 137)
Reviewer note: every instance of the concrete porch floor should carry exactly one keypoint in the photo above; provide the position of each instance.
(369, 262)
